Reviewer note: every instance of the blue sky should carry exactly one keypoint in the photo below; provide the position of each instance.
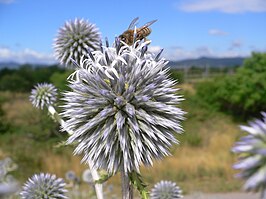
(185, 28)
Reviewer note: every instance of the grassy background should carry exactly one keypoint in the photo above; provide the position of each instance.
(202, 161)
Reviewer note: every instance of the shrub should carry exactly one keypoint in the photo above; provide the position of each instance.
(59, 79)
(177, 75)
(243, 94)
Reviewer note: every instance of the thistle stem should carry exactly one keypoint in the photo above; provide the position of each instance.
(263, 194)
(127, 188)
(55, 115)
(94, 173)
(95, 176)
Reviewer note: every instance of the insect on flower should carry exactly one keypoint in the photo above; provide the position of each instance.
(141, 33)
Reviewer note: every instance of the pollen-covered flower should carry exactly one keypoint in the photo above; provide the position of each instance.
(44, 186)
(74, 40)
(166, 190)
(252, 161)
(122, 108)
(43, 94)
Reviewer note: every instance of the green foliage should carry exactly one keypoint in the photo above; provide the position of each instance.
(14, 82)
(59, 79)
(244, 94)
(137, 181)
(207, 91)
(4, 126)
(38, 125)
(24, 78)
(177, 75)
(104, 176)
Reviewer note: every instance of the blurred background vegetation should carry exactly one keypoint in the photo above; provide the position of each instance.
(217, 102)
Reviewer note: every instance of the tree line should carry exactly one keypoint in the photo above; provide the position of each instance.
(26, 76)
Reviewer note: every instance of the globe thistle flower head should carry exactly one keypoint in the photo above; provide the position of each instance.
(122, 108)
(166, 190)
(87, 176)
(252, 155)
(70, 176)
(44, 186)
(42, 95)
(74, 39)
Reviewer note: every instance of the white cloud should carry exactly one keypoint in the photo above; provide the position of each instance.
(217, 32)
(6, 1)
(179, 53)
(227, 6)
(25, 56)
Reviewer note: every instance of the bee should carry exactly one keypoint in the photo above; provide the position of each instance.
(141, 33)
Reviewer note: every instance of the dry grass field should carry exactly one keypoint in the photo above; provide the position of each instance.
(202, 162)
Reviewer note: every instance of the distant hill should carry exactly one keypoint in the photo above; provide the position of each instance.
(206, 61)
(15, 65)
(11, 65)
(200, 62)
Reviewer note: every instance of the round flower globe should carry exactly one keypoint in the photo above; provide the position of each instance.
(44, 186)
(166, 190)
(87, 177)
(252, 156)
(74, 40)
(70, 176)
(122, 108)
(43, 95)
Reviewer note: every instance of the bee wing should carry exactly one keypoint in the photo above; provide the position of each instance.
(149, 23)
(133, 23)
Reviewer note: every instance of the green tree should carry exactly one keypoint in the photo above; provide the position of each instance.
(243, 94)
(177, 75)
(14, 82)
(59, 79)
(26, 76)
